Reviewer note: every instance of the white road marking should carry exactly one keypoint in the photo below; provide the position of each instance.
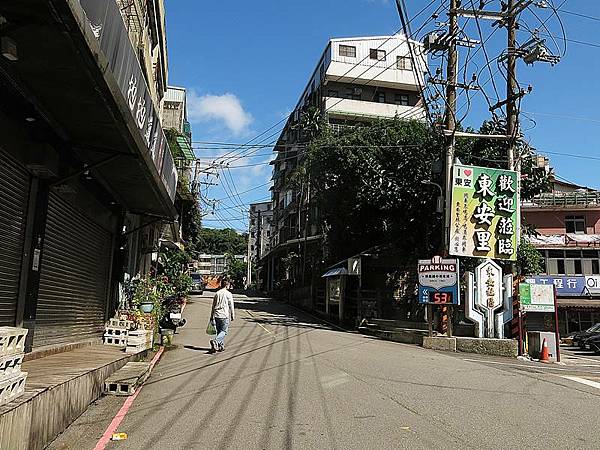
(521, 365)
(591, 383)
(334, 380)
(258, 323)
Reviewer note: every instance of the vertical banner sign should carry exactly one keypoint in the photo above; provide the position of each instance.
(489, 297)
(484, 216)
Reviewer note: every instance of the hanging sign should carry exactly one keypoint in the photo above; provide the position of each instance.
(484, 215)
(438, 281)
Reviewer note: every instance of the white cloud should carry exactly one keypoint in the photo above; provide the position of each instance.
(225, 108)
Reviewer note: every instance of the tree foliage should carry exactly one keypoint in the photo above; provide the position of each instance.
(367, 184)
(214, 241)
(236, 270)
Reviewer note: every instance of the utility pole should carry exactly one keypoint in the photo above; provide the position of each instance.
(450, 122)
(450, 125)
(512, 125)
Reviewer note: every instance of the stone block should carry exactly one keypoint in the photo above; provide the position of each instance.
(443, 343)
(12, 340)
(10, 365)
(486, 346)
(127, 379)
(11, 388)
(115, 340)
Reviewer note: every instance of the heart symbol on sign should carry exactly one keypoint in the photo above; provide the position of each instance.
(468, 172)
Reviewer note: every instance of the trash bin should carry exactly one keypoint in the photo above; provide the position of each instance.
(535, 339)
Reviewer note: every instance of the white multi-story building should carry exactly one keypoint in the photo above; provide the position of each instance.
(260, 230)
(356, 80)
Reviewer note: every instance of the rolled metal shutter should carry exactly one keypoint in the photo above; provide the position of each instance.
(74, 276)
(14, 197)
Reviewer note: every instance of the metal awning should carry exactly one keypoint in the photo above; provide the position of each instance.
(77, 67)
(579, 302)
(335, 272)
(186, 148)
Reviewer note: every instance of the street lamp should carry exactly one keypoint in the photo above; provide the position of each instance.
(439, 204)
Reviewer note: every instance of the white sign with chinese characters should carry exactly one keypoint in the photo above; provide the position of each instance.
(488, 293)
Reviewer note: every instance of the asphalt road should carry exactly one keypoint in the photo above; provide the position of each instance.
(288, 381)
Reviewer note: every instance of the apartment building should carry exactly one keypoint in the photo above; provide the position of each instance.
(356, 80)
(568, 222)
(259, 239)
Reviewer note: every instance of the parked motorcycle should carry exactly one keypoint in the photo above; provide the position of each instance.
(172, 317)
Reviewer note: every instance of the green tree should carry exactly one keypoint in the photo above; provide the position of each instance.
(367, 185)
(219, 242)
(236, 270)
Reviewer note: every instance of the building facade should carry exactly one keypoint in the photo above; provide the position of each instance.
(259, 239)
(356, 80)
(567, 221)
(86, 172)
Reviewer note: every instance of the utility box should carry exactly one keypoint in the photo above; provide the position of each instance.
(535, 339)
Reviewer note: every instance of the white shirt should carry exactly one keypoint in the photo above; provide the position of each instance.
(222, 307)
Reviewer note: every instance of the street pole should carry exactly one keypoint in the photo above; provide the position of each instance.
(249, 265)
(556, 331)
(450, 125)
(512, 124)
(450, 121)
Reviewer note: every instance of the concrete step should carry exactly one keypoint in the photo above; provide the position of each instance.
(12, 340)
(10, 365)
(12, 387)
(127, 379)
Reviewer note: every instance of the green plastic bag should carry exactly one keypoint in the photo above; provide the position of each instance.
(210, 328)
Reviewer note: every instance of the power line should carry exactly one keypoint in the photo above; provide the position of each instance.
(585, 16)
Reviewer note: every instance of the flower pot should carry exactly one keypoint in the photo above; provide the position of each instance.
(146, 307)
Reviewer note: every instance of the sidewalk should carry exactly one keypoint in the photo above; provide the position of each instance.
(59, 389)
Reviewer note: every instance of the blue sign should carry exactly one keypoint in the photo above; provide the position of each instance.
(565, 286)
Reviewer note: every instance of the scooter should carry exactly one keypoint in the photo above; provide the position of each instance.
(172, 319)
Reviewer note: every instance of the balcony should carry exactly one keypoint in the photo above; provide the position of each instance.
(565, 240)
(379, 73)
(561, 200)
(351, 109)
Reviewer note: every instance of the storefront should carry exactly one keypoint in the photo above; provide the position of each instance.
(81, 152)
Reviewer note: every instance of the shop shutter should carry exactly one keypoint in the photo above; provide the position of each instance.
(14, 196)
(74, 276)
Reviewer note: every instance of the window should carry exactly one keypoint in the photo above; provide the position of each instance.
(401, 99)
(380, 97)
(577, 266)
(379, 55)
(560, 267)
(348, 50)
(333, 93)
(403, 63)
(595, 267)
(575, 224)
(353, 93)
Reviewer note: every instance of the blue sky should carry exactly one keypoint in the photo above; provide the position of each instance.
(246, 63)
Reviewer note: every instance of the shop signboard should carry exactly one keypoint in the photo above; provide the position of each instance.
(536, 297)
(592, 285)
(574, 286)
(438, 281)
(484, 214)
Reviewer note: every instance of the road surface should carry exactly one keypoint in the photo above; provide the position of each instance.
(286, 380)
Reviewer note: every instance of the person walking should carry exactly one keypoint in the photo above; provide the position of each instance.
(221, 314)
